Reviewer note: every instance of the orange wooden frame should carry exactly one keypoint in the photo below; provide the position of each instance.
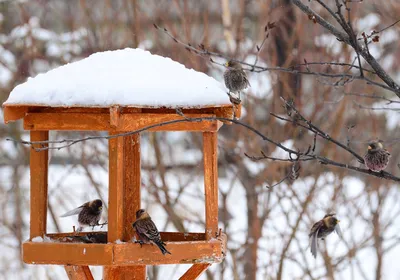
(126, 254)
(124, 260)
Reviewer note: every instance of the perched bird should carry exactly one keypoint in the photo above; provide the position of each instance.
(235, 79)
(147, 231)
(376, 158)
(322, 229)
(88, 214)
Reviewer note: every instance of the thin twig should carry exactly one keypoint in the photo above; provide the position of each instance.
(376, 108)
(373, 96)
(322, 134)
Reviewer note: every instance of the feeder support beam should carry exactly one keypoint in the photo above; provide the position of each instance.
(210, 146)
(39, 174)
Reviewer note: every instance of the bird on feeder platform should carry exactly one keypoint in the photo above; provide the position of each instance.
(322, 229)
(147, 231)
(376, 158)
(89, 214)
(235, 80)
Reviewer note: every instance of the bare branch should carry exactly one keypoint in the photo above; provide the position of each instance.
(347, 38)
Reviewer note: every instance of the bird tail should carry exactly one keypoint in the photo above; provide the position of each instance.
(314, 244)
(161, 245)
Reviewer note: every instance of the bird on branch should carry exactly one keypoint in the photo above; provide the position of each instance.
(235, 80)
(376, 158)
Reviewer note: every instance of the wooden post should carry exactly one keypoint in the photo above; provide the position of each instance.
(116, 189)
(39, 174)
(211, 183)
(124, 200)
(78, 272)
(115, 197)
(132, 199)
(195, 271)
(134, 272)
(132, 183)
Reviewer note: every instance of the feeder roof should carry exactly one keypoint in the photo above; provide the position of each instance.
(128, 78)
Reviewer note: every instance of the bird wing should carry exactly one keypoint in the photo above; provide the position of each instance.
(315, 228)
(338, 231)
(149, 229)
(72, 212)
(247, 81)
(314, 243)
(75, 211)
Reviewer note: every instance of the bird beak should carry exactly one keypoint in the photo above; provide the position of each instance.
(338, 221)
(226, 64)
(369, 147)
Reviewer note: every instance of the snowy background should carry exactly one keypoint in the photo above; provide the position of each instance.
(267, 230)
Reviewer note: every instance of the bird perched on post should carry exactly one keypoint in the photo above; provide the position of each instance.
(376, 158)
(147, 231)
(322, 229)
(235, 80)
(89, 214)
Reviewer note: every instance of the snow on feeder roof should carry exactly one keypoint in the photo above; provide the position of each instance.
(128, 77)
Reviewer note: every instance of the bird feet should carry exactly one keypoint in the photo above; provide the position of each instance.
(377, 173)
(103, 224)
(140, 242)
(233, 99)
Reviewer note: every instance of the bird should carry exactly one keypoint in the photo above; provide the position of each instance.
(89, 214)
(235, 79)
(322, 229)
(147, 231)
(376, 158)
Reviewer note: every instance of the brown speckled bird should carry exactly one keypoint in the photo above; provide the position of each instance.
(235, 79)
(147, 231)
(322, 229)
(376, 158)
(89, 214)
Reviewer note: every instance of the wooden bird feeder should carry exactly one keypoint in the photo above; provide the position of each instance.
(121, 260)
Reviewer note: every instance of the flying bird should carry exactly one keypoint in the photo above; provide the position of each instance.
(89, 214)
(235, 79)
(322, 229)
(147, 231)
(376, 158)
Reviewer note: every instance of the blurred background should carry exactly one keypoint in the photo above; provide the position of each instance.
(267, 228)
